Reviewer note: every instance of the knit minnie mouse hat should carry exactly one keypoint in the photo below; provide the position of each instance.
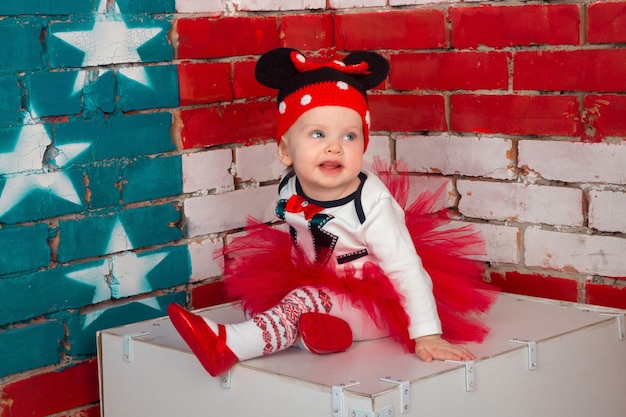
(303, 85)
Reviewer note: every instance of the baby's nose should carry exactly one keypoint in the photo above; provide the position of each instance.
(334, 145)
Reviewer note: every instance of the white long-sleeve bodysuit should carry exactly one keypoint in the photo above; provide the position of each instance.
(367, 226)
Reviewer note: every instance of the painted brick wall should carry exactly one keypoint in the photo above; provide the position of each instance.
(134, 142)
(92, 233)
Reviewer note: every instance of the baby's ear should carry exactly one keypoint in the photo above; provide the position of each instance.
(378, 68)
(274, 67)
(283, 152)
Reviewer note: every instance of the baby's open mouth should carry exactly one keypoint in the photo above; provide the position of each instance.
(330, 165)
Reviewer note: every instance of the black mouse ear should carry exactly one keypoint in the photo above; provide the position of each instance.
(274, 67)
(378, 68)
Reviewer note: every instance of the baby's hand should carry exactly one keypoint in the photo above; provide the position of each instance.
(433, 347)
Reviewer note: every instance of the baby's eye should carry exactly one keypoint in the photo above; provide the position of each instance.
(317, 134)
(349, 136)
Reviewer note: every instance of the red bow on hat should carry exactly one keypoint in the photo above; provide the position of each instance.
(301, 63)
(296, 204)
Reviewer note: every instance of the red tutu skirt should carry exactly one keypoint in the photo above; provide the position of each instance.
(261, 268)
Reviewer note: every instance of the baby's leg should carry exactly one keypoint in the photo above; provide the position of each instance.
(218, 347)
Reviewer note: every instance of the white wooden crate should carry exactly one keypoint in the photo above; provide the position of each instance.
(542, 358)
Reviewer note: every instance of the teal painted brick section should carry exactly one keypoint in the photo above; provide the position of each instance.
(147, 6)
(101, 95)
(161, 92)
(157, 49)
(153, 225)
(82, 329)
(172, 271)
(8, 141)
(23, 248)
(27, 296)
(84, 154)
(73, 7)
(120, 182)
(45, 7)
(152, 178)
(142, 227)
(10, 100)
(50, 93)
(119, 136)
(103, 184)
(85, 238)
(21, 48)
(43, 195)
(30, 347)
(83, 284)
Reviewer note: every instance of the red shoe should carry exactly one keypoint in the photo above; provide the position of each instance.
(323, 333)
(209, 348)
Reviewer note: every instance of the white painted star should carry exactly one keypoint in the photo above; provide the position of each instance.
(66, 153)
(124, 274)
(110, 41)
(130, 273)
(94, 276)
(119, 241)
(29, 150)
(24, 167)
(18, 187)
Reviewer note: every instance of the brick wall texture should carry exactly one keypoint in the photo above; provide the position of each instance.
(134, 142)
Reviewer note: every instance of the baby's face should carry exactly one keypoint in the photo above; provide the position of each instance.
(325, 147)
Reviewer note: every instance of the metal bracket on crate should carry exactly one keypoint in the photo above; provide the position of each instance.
(405, 392)
(127, 345)
(337, 397)
(621, 328)
(532, 352)
(470, 383)
(225, 380)
(384, 412)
